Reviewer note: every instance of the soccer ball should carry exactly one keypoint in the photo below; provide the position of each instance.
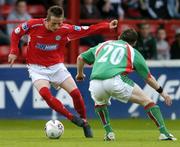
(54, 129)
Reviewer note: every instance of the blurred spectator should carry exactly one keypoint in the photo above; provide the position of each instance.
(175, 47)
(157, 9)
(92, 40)
(146, 43)
(117, 4)
(163, 48)
(9, 2)
(132, 9)
(174, 8)
(90, 11)
(2, 2)
(107, 10)
(4, 38)
(19, 13)
(144, 9)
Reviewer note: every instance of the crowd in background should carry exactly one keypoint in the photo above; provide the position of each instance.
(151, 46)
(134, 9)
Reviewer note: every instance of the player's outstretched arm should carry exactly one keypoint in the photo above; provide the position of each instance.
(80, 66)
(154, 84)
(77, 32)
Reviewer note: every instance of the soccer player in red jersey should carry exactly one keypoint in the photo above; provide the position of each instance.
(45, 57)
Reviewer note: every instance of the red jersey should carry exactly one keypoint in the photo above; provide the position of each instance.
(46, 47)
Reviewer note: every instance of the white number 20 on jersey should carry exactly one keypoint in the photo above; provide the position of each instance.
(113, 53)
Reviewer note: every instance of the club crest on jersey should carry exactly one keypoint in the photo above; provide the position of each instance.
(25, 26)
(17, 30)
(46, 47)
(58, 37)
(77, 28)
(85, 27)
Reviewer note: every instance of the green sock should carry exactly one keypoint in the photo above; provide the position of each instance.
(154, 114)
(103, 114)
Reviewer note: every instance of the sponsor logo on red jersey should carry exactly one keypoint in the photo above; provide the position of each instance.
(46, 47)
(17, 30)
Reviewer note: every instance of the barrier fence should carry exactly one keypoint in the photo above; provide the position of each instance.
(18, 99)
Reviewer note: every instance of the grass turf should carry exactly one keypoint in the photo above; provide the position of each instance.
(129, 133)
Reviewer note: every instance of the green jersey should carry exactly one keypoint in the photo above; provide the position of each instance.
(115, 57)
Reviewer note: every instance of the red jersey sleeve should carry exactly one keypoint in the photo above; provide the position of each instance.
(16, 35)
(77, 32)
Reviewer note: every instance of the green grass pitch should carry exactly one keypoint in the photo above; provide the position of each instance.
(129, 133)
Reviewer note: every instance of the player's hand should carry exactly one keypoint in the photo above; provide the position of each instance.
(167, 98)
(113, 24)
(11, 59)
(80, 77)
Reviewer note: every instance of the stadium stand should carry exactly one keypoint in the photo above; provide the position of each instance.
(35, 10)
(4, 51)
(170, 26)
(38, 10)
(5, 10)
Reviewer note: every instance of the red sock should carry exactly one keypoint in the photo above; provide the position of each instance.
(148, 106)
(54, 103)
(78, 103)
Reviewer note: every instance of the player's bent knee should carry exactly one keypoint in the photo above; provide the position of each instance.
(147, 101)
(139, 97)
(140, 100)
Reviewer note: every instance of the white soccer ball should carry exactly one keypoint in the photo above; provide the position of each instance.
(54, 129)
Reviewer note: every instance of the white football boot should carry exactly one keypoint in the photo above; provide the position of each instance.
(109, 137)
(165, 137)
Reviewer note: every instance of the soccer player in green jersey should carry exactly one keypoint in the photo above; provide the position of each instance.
(113, 60)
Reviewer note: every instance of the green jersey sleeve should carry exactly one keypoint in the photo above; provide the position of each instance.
(89, 55)
(140, 65)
